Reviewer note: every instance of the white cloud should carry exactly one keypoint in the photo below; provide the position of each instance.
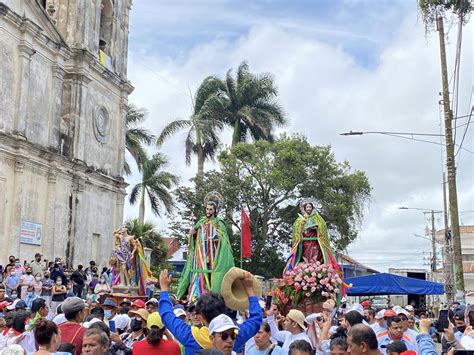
(325, 92)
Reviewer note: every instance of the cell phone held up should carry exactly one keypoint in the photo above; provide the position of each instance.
(443, 321)
(112, 326)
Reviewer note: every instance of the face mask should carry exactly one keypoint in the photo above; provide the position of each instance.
(12, 274)
(17, 264)
(14, 297)
(107, 313)
(46, 276)
(59, 282)
(461, 328)
(135, 325)
(28, 272)
(29, 293)
(385, 324)
(37, 278)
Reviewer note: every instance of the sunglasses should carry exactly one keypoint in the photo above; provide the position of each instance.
(225, 335)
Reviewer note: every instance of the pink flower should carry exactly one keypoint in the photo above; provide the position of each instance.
(308, 294)
(298, 278)
(305, 287)
(319, 276)
(313, 289)
(336, 290)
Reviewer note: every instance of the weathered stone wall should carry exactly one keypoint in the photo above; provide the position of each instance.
(60, 162)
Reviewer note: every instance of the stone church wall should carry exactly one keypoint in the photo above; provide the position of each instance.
(61, 163)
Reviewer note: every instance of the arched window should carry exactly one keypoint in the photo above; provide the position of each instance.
(105, 34)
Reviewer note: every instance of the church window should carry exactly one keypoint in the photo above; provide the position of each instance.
(105, 35)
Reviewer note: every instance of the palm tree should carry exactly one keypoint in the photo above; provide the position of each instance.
(156, 185)
(202, 138)
(136, 137)
(248, 104)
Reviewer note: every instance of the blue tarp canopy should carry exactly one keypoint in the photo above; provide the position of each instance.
(389, 284)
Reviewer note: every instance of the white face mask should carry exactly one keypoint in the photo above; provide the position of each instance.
(38, 278)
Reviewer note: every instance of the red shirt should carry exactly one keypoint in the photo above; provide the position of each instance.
(72, 333)
(167, 347)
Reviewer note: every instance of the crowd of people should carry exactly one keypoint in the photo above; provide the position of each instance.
(46, 309)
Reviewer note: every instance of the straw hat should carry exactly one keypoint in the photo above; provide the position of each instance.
(233, 290)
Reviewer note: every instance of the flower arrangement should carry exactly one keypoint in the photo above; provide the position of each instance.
(315, 282)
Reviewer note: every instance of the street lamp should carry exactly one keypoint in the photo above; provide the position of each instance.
(451, 182)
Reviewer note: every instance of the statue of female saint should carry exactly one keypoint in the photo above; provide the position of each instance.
(310, 238)
(209, 253)
(128, 261)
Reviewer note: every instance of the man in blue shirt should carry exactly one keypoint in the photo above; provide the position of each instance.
(209, 305)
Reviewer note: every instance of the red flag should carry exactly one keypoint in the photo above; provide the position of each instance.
(246, 241)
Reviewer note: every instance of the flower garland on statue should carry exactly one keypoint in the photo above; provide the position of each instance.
(315, 282)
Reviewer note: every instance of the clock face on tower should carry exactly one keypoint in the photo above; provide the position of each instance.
(101, 123)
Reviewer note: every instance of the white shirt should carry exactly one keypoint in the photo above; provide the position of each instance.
(284, 336)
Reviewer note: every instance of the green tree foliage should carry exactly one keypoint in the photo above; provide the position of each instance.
(149, 238)
(432, 9)
(202, 137)
(247, 103)
(268, 179)
(156, 185)
(136, 137)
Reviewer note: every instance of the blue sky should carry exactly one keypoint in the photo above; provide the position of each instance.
(339, 66)
(173, 28)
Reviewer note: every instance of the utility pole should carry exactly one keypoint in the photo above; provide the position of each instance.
(433, 244)
(451, 166)
(447, 250)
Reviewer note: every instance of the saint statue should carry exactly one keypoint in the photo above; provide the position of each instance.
(310, 238)
(209, 253)
(129, 267)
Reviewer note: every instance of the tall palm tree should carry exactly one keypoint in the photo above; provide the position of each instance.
(155, 184)
(136, 137)
(202, 138)
(248, 104)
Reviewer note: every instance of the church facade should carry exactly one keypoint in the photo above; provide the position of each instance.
(63, 98)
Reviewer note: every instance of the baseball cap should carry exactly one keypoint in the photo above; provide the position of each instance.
(121, 321)
(110, 302)
(297, 316)
(222, 323)
(178, 312)
(380, 314)
(138, 303)
(389, 313)
(72, 304)
(125, 301)
(400, 310)
(357, 307)
(154, 320)
(152, 300)
(38, 254)
(409, 308)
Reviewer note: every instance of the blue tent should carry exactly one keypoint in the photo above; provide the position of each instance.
(389, 284)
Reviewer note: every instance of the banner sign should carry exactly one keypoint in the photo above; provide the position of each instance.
(31, 233)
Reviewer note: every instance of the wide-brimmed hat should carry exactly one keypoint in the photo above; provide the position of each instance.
(297, 316)
(233, 290)
(141, 312)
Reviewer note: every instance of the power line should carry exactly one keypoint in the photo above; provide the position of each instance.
(467, 124)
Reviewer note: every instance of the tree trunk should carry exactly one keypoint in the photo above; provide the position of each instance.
(236, 134)
(141, 211)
